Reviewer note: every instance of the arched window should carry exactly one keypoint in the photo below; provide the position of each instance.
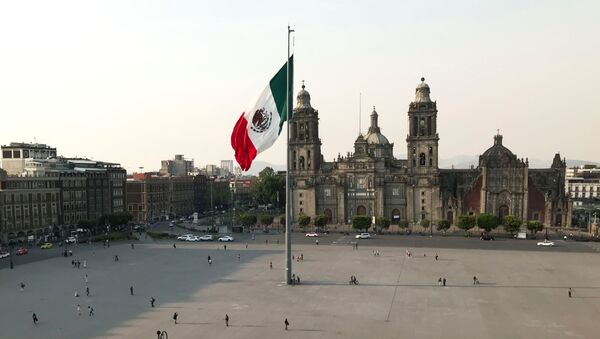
(430, 150)
(422, 159)
(301, 162)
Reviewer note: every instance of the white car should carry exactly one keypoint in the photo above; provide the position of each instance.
(184, 237)
(545, 243)
(226, 238)
(193, 238)
(71, 240)
(4, 255)
(207, 237)
(312, 234)
(362, 236)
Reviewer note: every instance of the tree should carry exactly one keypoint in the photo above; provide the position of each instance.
(382, 222)
(266, 220)
(487, 221)
(511, 224)
(403, 224)
(425, 223)
(269, 187)
(360, 222)
(443, 225)
(248, 219)
(320, 221)
(466, 222)
(535, 226)
(303, 220)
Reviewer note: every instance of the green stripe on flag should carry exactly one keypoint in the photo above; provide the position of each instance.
(277, 85)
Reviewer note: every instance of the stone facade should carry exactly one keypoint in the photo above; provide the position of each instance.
(371, 181)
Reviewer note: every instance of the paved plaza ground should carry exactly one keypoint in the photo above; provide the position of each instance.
(522, 294)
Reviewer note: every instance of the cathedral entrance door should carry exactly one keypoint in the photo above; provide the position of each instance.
(502, 212)
(328, 215)
(361, 210)
(396, 216)
(450, 218)
(558, 220)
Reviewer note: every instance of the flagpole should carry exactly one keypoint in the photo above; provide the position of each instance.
(288, 221)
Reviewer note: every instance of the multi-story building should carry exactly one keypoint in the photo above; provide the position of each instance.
(179, 166)
(151, 197)
(29, 206)
(227, 167)
(15, 155)
(371, 181)
(211, 193)
(583, 182)
(73, 197)
(212, 170)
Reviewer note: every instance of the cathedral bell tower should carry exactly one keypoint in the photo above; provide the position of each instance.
(305, 145)
(422, 153)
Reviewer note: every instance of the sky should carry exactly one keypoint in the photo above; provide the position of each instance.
(137, 82)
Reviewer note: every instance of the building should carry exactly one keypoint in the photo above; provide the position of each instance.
(227, 167)
(179, 166)
(212, 171)
(16, 154)
(152, 197)
(583, 182)
(211, 193)
(371, 181)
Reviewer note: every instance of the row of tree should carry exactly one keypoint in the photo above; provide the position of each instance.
(114, 219)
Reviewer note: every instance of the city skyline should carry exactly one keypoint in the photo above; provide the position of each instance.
(136, 83)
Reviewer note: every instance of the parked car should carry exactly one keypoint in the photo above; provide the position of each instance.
(363, 236)
(487, 237)
(193, 238)
(71, 240)
(226, 238)
(184, 237)
(312, 234)
(207, 237)
(4, 255)
(22, 251)
(46, 246)
(546, 242)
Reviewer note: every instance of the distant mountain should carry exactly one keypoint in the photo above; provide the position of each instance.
(458, 161)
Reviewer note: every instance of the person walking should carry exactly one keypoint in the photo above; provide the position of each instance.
(246, 245)
(175, 315)
(208, 259)
(152, 300)
(85, 264)
(86, 278)
(132, 247)
(78, 310)
(570, 292)
(116, 258)
(210, 262)
(76, 294)
(131, 289)
(317, 242)
(436, 257)
(224, 247)
(226, 320)
(444, 281)
(174, 246)
(35, 318)
(239, 257)
(270, 264)
(91, 311)
(287, 323)
(87, 291)
(22, 286)
(440, 281)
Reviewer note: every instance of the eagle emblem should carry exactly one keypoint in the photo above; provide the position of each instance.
(261, 120)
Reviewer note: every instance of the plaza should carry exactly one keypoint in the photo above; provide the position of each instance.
(522, 291)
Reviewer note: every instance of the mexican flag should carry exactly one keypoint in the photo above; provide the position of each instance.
(258, 127)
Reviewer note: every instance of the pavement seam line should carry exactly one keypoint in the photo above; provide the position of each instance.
(387, 319)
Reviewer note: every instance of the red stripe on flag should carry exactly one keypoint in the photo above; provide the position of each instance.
(245, 151)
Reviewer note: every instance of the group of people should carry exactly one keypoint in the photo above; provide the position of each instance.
(442, 282)
(375, 253)
(353, 280)
(295, 279)
(77, 263)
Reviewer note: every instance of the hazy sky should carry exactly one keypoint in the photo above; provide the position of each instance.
(139, 81)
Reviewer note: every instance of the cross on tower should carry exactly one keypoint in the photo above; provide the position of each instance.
(302, 84)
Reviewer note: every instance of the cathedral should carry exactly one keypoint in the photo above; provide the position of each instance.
(371, 181)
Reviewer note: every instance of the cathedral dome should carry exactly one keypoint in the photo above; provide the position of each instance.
(374, 136)
(499, 156)
(422, 92)
(303, 98)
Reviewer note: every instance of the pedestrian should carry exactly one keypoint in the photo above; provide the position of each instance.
(132, 247)
(246, 245)
(35, 318)
(444, 281)
(294, 279)
(78, 309)
(210, 262)
(317, 242)
(152, 300)
(266, 241)
(86, 278)
(208, 259)
(298, 279)
(87, 291)
(440, 282)
(224, 247)
(91, 311)
(22, 286)
(270, 264)
(287, 323)
(226, 320)
(239, 257)
(76, 294)
(73, 263)
(175, 315)
(116, 258)
(436, 257)
(174, 246)
(570, 292)
(85, 264)
(131, 289)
